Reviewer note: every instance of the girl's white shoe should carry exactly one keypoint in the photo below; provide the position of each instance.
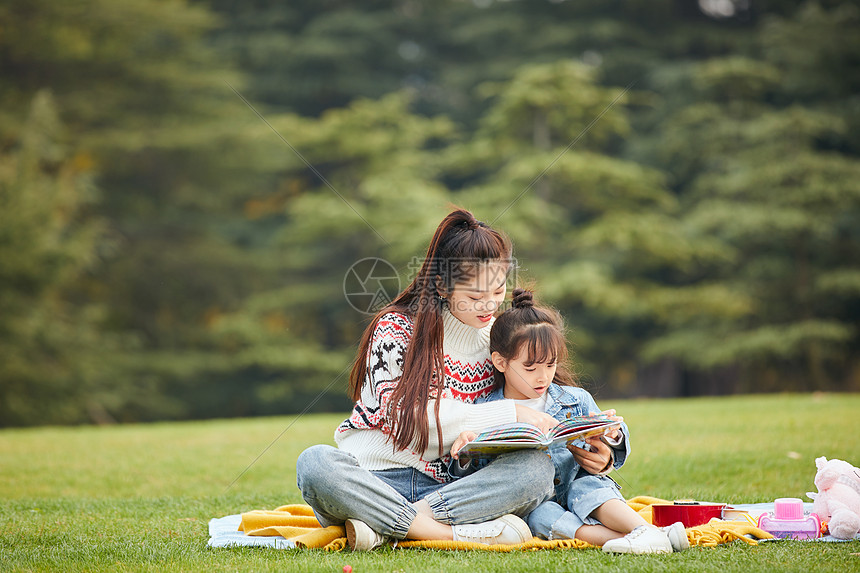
(643, 539)
(677, 535)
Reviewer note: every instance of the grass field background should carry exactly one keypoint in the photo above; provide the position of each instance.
(138, 498)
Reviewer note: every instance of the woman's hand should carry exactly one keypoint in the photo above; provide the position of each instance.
(595, 461)
(540, 419)
(463, 439)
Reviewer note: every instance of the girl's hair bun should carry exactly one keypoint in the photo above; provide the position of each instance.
(470, 222)
(522, 298)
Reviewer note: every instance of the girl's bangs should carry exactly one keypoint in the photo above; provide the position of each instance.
(544, 343)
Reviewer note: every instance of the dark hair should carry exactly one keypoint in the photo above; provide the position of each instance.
(538, 329)
(460, 244)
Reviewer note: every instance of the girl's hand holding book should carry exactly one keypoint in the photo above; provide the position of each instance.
(594, 461)
(597, 459)
(463, 439)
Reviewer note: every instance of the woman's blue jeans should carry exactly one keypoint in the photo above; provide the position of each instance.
(337, 488)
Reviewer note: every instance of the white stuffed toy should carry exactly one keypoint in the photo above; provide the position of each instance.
(838, 499)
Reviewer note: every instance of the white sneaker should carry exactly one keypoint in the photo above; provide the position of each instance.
(677, 536)
(643, 539)
(360, 537)
(508, 530)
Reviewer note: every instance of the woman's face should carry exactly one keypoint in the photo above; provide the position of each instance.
(474, 300)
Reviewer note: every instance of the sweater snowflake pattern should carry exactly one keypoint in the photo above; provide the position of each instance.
(468, 376)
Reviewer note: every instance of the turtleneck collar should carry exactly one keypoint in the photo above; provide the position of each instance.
(461, 338)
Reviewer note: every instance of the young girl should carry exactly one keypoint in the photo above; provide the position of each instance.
(528, 352)
(422, 363)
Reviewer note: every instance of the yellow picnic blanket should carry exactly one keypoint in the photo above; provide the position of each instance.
(298, 524)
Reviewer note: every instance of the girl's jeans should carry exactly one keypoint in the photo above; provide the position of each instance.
(561, 517)
(337, 488)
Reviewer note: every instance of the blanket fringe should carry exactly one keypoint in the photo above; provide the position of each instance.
(533, 545)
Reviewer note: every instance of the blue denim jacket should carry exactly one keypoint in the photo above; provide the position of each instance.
(577, 493)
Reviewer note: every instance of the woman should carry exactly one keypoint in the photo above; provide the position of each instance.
(422, 362)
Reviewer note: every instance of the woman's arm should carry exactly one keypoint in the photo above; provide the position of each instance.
(456, 417)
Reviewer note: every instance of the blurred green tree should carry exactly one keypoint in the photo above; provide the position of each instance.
(598, 234)
(764, 159)
(363, 184)
(307, 57)
(703, 220)
(146, 116)
(48, 340)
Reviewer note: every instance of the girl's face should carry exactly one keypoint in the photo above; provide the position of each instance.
(525, 381)
(474, 301)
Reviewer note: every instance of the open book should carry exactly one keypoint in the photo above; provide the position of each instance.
(517, 436)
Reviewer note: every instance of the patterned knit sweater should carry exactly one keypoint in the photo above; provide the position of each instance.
(468, 375)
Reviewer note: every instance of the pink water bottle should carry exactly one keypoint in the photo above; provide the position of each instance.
(788, 521)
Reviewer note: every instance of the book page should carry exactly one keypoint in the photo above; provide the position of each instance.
(579, 427)
(516, 431)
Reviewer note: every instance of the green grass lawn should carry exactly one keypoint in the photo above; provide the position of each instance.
(138, 498)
